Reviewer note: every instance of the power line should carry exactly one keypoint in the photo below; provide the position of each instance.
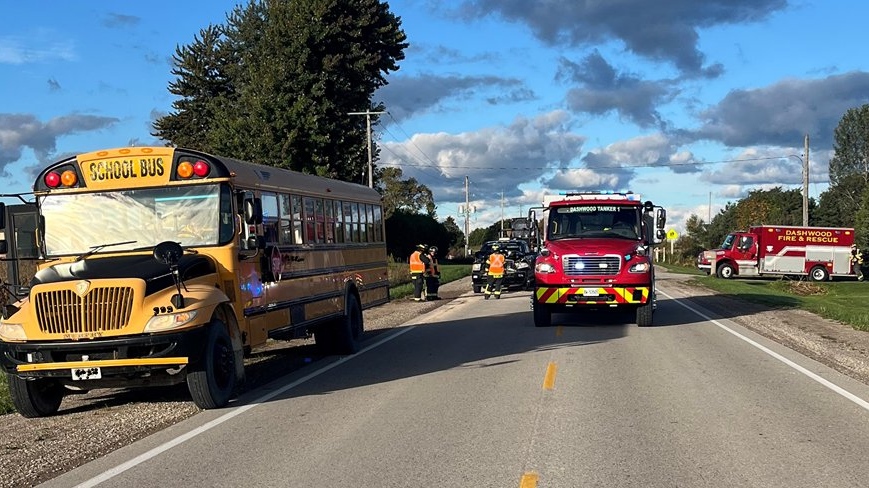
(604, 166)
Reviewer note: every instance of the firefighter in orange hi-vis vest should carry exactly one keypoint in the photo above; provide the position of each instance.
(495, 272)
(419, 262)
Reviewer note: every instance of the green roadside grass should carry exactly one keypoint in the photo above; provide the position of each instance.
(842, 300)
(400, 287)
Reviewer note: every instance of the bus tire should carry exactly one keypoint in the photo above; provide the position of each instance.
(645, 313)
(478, 288)
(349, 328)
(819, 273)
(211, 380)
(35, 398)
(725, 271)
(542, 315)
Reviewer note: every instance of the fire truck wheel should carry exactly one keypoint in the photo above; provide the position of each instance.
(35, 398)
(211, 380)
(819, 273)
(724, 271)
(542, 315)
(644, 314)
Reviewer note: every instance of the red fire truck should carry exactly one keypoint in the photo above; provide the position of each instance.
(816, 252)
(595, 252)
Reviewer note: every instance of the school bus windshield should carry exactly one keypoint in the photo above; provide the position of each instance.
(192, 215)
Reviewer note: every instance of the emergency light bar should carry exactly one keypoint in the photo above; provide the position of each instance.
(591, 195)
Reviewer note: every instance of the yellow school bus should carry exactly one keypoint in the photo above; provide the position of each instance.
(163, 265)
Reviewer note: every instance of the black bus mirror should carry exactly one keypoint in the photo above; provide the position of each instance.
(2, 217)
(4, 248)
(253, 211)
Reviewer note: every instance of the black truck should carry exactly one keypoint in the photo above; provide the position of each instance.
(518, 266)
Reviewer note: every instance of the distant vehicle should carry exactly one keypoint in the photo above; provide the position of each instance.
(816, 252)
(518, 266)
(596, 253)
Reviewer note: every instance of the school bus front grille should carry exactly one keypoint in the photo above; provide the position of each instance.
(101, 309)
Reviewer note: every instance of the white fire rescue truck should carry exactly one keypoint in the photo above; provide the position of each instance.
(816, 252)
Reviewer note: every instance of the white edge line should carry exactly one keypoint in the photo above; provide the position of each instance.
(832, 386)
(111, 473)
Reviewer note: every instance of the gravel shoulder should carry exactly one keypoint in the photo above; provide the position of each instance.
(91, 425)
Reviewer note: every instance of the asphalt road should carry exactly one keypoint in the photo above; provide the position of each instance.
(473, 395)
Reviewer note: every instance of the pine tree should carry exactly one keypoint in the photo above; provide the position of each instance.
(296, 69)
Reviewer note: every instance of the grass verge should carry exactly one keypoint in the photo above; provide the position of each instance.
(844, 301)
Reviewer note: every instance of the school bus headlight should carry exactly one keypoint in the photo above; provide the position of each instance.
(169, 321)
(10, 332)
(476, 267)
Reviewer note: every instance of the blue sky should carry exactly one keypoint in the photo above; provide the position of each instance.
(682, 101)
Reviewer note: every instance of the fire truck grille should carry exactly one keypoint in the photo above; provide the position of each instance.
(591, 265)
(101, 309)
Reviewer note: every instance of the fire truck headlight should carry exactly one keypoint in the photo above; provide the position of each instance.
(639, 268)
(169, 321)
(476, 266)
(10, 332)
(544, 268)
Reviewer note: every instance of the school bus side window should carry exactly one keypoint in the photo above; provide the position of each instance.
(363, 222)
(270, 217)
(286, 221)
(329, 226)
(310, 227)
(297, 220)
(349, 235)
(339, 221)
(227, 219)
(378, 224)
(320, 218)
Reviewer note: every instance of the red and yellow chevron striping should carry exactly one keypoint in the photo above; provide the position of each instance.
(593, 296)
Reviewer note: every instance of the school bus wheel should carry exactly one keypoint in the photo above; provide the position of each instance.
(35, 398)
(344, 335)
(211, 380)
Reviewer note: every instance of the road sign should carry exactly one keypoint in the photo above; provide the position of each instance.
(672, 234)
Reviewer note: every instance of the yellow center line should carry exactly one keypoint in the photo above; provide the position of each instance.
(549, 379)
(528, 480)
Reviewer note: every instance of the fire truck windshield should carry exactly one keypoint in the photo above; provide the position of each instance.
(728, 241)
(594, 221)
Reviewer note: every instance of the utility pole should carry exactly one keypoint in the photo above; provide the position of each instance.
(709, 210)
(467, 219)
(806, 184)
(368, 115)
(502, 215)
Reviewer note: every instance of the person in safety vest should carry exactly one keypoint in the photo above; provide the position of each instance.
(419, 263)
(857, 262)
(432, 275)
(494, 272)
